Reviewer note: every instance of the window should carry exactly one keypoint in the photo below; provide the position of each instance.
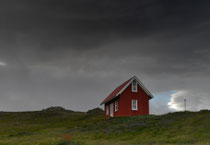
(134, 104)
(116, 106)
(134, 86)
(111, 110)
(107, 110)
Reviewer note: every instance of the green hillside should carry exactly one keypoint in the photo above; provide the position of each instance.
(61, 127)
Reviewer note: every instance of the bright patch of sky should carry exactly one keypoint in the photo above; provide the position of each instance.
(159, 104)
(164, 96)
(2, 63)
(176, 100)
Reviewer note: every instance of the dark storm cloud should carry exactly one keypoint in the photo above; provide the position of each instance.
(51, 50)
(84, 24)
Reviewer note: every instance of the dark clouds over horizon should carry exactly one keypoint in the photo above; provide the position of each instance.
(74, 53)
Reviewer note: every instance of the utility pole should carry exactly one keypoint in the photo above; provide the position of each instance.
(185, 103)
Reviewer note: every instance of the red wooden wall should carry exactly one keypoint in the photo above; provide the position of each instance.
(124, 103)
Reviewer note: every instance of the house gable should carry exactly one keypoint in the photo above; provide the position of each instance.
(125, 102)
(120, 89)
(139, 83)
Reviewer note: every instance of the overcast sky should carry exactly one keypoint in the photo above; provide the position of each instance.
(73, 53)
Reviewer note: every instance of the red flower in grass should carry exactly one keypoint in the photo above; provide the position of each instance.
(67, 137)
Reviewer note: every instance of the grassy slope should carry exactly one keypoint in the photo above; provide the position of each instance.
(48, 128)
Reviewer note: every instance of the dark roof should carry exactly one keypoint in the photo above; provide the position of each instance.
(116, 91)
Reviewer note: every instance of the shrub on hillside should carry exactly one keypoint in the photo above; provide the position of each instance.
(95, 111)
(55, 109)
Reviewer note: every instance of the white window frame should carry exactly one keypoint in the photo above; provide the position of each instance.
(136, 86)
(116, 106)
(107, 110)
(134, 103)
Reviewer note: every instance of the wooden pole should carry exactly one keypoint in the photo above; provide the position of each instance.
(185, 103)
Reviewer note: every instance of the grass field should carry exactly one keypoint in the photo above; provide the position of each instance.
(76, 128)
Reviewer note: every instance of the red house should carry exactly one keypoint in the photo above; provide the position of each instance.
(129, 99)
